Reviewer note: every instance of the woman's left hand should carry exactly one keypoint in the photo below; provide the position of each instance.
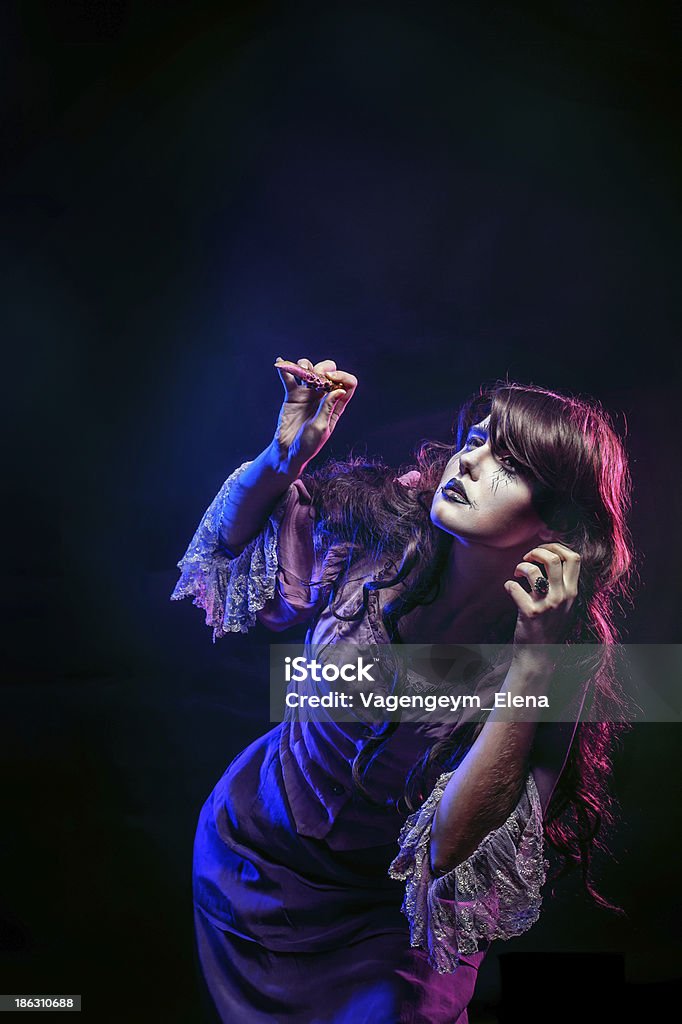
(545, 618)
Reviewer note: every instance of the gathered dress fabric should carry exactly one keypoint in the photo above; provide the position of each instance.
(311, 904)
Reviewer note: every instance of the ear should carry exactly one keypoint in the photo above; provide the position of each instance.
(548, 536)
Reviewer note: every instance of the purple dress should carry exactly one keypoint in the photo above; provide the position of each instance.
(311, 905)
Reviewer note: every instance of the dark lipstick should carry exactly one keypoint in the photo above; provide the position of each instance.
(454, 487)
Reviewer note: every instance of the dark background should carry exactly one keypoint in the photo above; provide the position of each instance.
(432, 195)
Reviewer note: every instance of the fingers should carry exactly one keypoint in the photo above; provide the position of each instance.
(551, 561)
(532, 573)
(324, 367)
(291, 383)
(348, 381)
(561, 563)
(545, 618)
(335, 402)
(330, 409)
(571, 564)
(523, 601)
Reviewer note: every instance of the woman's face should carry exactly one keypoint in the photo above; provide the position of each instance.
(482, 498)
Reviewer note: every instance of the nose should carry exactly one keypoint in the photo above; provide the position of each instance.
(470, 461)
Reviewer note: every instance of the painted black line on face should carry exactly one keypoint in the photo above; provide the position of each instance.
(497, 476)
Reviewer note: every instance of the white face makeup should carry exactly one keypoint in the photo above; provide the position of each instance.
(482, 499)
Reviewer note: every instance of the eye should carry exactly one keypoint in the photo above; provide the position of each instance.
(474, 441)
(509, 464)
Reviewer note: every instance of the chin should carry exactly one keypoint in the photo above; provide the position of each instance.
(448, 522)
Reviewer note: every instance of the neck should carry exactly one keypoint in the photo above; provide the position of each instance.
(473, 606)
(475, 573)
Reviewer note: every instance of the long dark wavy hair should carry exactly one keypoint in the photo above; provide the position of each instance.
(568, 449)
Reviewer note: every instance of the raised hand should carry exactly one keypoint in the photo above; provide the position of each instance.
(309, 378)
(309, 414)
(545, 613)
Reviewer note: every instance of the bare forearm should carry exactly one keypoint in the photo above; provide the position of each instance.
(252, 498)
(487, 785)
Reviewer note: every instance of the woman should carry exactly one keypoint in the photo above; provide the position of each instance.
(347, 872)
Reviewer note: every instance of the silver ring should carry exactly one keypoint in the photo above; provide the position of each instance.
(541, 586)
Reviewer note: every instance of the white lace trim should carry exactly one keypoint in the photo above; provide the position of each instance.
(495, 894)
(230, 590)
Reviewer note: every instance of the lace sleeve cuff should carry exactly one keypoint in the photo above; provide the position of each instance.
(229, 589)
(495, 894)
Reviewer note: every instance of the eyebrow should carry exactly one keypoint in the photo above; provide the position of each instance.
(478, 431)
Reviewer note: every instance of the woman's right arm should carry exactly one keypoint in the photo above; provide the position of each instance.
(252, 498)
(252, 552)
(306, 421)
